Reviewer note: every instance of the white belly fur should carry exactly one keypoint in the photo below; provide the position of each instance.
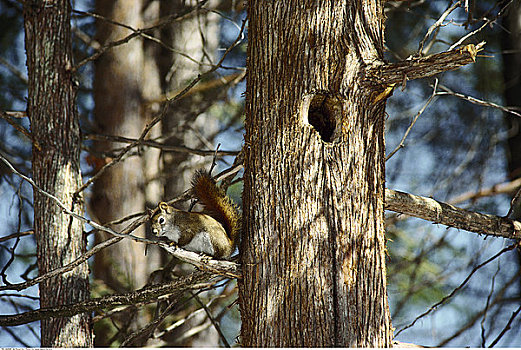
(200, 243)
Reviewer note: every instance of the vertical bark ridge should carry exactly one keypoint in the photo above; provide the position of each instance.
(313, 246)
(56, 169)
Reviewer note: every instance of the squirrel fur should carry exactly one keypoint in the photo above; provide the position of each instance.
(215, 231)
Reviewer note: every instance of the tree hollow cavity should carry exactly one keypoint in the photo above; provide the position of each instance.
(323, 114)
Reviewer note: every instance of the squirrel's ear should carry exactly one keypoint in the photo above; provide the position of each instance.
(165, 207)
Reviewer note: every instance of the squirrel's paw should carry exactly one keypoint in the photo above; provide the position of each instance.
(205, 258)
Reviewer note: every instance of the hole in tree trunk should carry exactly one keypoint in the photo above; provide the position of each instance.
(323, 114)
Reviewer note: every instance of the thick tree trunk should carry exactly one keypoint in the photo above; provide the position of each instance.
(313, 248)
(56, 168)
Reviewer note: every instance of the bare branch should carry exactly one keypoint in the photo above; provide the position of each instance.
(213, 320)
(159, 145)
(507, 327)
(8, 118)
(487, 305)
(14, 70)
(160, 115)
(69, 212)
(16, 235)
(487, 21)
(220, 267)
(477, 101)
(147, 294)
(140, 336)
(81, 259)
(437, 25)
(458, 288)
(423, 67)
(208, 85)
(498, 299)
(446, 214)
(420, 112)
(505, 187)
(135, 32)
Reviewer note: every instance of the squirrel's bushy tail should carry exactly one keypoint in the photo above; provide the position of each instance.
(217, 204)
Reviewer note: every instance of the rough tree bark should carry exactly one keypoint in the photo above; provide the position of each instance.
(313, 248)
(56, 168)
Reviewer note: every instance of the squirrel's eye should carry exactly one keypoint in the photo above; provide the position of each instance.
(161, 220)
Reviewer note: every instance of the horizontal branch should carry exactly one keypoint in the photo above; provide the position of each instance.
(209, 266)
(217, 82)
(144, 295)
(417, 206)
(449, 215)
(421, 67)
(159, 145)
(505, 187)
(219, 267)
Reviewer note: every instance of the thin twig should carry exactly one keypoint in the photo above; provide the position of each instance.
(402, 141)
(14, 70)
(458, 288)
(476, 101)
(160, 116)
(505, 187)
(135, 32)
(78, 261)
(146, 331)
(159, 145)
(507, 327)
(69, 212)
(20, 128)
(214, 322)
(436, 25)
(477, 30)
(497, 300)
(17, 295)
(16, 235)
(487, 305)
(214, 159)
(147, 294)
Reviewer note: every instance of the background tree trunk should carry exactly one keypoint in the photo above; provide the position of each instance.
(313, 248)
(119, 192)
(56, 168)
(186, 123)
(511, 48)
(117, 95)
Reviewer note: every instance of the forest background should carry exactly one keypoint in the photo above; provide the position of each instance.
(454, 137)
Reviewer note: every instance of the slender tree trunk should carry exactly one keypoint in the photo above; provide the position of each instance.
(196, 36)
(119, 192)
(117, 95)
(511, 48)
(186, 124)
(313, 248)
(56, 168)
